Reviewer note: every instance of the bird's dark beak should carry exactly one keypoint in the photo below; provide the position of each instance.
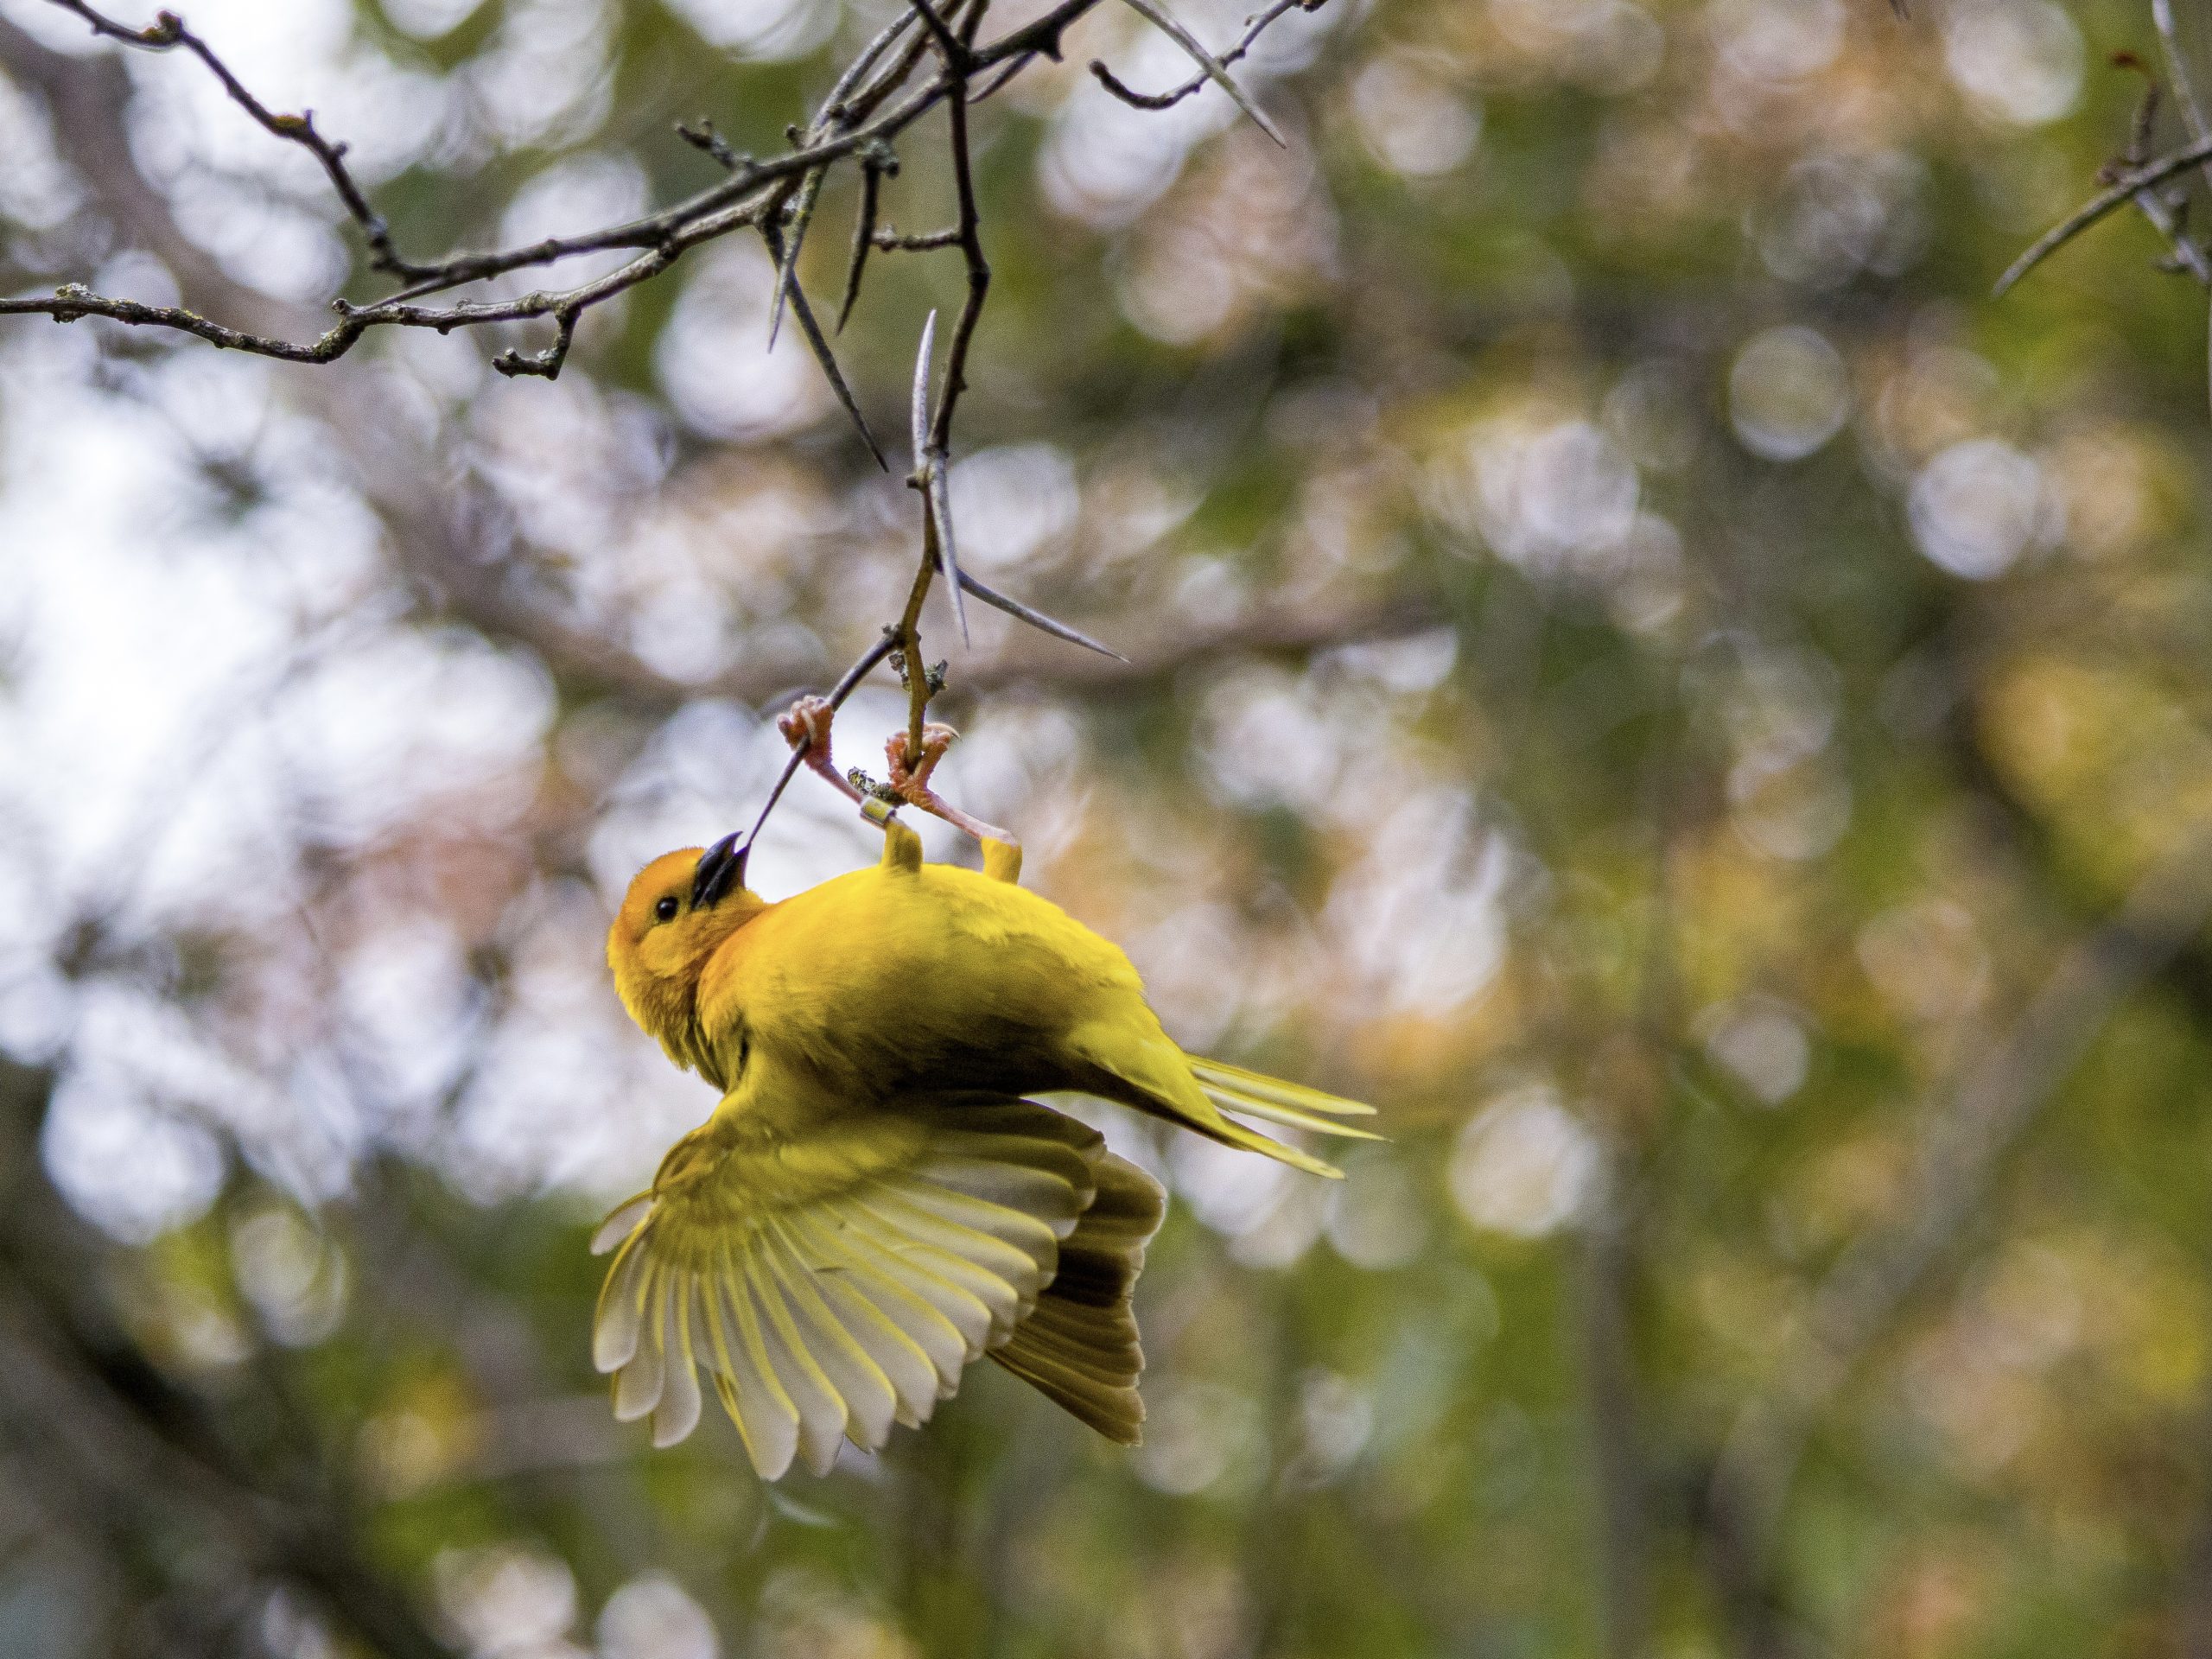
(722, 866)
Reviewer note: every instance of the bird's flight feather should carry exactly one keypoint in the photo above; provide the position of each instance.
(833, 1277)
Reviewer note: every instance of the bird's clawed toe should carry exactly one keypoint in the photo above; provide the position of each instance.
(915, 775)
(805, 726)
(910, 781)
(806, 723)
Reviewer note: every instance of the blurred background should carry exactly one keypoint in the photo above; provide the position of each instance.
(1639, 667)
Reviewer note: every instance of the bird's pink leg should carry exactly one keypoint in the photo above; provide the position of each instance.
(805, 726)
(913, 783)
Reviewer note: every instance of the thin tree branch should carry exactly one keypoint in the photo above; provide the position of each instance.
(912, 669)
(1257, 26)
(2118, 195)
(2167, 219)
(859, 116)
(892, 241)
(660, 237)
(834, 107)
(167, 33)
(2193, 118)
(547, 363)
(1165, 21)
(953, 51)
(847, 683)
(979, 282)
(1007, 71)
(72, 302)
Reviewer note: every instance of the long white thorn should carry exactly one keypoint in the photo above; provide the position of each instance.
(1037, 619)
(918, 413)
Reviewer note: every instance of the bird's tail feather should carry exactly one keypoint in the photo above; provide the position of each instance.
(1079, 1346)
(1254, 1094)
(1149, 1073)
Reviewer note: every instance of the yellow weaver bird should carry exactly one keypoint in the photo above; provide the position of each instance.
(873, 1205)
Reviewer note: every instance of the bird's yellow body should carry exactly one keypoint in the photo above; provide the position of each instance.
(874, 1192)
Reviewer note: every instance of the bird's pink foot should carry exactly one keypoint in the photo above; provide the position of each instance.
(910, 781)
(805, 726)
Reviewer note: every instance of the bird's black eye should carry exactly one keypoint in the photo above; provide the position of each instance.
(666, 909)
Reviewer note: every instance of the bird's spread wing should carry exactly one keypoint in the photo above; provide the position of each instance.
(835, 1278)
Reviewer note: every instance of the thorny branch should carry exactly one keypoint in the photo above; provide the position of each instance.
(878, 98)
(167, 33)
(873, 103)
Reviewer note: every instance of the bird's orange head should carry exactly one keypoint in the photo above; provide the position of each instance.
(679, 910)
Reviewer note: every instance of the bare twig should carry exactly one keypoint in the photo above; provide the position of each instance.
(912, 667)
(2137, 179)
(73, 301)
(931, 439)
(2122, 192)
(712, 214)
(1007, 71)
(847, 683)
(2192, 110)
(979, 284)
(2165, 218)
(875, 100)
(547, 362)
(703, 138)
(167, 33)
(1165, 21)
(1253, 30)
(834, 107)
(891, 240)
(951, 48)
(659, 237)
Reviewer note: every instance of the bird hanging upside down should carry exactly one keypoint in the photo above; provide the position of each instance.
(874, 1204)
